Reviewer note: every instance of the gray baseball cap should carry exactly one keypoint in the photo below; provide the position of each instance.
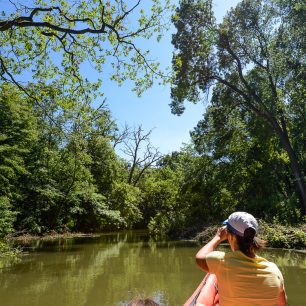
(239, 221)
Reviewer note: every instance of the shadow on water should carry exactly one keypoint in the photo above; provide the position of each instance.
(113, 268)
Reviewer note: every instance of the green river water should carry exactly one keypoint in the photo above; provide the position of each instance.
(113, 268)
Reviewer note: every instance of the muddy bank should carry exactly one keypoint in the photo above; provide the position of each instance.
(25, 238)
(277, 236)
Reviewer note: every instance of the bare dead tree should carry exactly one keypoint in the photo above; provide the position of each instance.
(121, 136)
(142, 154)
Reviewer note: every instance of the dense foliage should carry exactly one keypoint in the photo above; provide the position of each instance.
(50, 40)
(254, 61)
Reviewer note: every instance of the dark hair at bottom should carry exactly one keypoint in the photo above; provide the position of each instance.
(249, 244)
(142, 302)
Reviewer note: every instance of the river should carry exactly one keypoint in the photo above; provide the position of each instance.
(113, 268)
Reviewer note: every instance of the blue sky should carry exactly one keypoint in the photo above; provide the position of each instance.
(152, 109)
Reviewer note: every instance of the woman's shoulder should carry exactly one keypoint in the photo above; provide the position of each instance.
(272, 266)
(216, 254)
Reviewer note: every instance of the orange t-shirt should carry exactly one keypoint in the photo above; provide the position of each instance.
(245, 281)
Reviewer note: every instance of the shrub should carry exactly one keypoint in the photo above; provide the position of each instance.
(277, 236)
(283, 236)
(7, 217)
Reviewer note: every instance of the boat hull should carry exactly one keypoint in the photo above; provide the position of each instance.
(206, 293)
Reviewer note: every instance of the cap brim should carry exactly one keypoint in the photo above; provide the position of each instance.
(232, 229)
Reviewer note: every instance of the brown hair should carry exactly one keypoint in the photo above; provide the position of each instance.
(142, 302)
(249, 244)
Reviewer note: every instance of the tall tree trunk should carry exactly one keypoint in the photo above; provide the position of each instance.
(296, 169)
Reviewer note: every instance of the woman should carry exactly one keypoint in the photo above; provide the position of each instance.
(243, 277)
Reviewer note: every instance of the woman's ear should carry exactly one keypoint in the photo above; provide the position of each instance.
(232, 241)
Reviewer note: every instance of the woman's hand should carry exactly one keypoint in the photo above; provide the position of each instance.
(220, 236)
(222, 233)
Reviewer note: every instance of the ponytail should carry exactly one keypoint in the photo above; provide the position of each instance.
(249, 244)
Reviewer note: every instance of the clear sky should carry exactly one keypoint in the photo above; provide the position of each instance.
(152, 109)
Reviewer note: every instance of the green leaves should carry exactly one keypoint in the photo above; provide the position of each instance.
(7, 217)
(126, 198)
(193, 48)
(56, 40)
(17, 132)
(255, 53)
(58, 168)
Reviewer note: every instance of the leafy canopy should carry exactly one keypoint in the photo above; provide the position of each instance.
(52, 40)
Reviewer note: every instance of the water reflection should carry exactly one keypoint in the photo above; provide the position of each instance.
(112, 269)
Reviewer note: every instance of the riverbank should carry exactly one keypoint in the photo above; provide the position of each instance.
(12, 245)
(277, 236)
(25, 238)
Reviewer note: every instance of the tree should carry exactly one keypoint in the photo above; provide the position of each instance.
(125, 199)
(7, 217)
(162, 211)
(17, 132)
(55, 180)
(141, 154)
(51, 40)
(250, 164)
(248, 54)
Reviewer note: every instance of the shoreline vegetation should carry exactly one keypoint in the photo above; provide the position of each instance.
(26, 238)
(278, 236)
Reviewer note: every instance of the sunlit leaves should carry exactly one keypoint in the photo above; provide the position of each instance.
(17, 132)
(255, 52)
(57, 53)
(7, 217)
